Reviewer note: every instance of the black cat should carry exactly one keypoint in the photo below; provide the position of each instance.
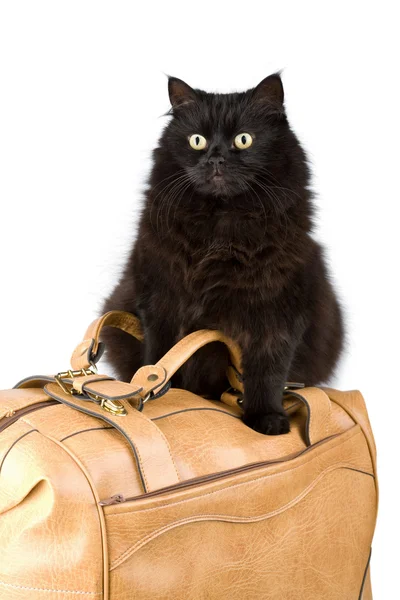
(224, 243)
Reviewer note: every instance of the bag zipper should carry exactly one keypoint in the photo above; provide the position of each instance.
(120, 498)
(13, 416)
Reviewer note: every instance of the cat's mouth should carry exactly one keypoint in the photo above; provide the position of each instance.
(218, 184)
(217, 177)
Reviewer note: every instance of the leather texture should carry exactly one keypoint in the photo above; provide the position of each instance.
(178, 499)
(86, 352)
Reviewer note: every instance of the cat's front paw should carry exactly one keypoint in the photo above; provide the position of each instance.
(267, 423)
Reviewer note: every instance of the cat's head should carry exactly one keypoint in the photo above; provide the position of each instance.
(233, 144)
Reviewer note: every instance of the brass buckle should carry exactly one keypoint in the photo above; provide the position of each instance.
(147, 397)
(71, 374)
(115, 407)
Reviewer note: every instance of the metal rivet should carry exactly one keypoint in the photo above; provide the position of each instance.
(152, 377)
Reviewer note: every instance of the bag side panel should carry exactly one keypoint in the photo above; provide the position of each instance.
(315, 549)
(296, 532)
(354, 404)
(50, 535)
(102, 450)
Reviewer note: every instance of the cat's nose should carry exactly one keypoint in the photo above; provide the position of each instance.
(216, 161)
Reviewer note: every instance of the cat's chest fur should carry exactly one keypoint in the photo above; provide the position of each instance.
(214, 282)
(253, 261)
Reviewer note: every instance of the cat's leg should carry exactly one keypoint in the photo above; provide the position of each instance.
(265, 368)
(205, 372)
(320, 348)
(158, 337)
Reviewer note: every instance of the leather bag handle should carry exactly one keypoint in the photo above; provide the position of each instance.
(152, 378)
(180, 353)
(147, 378)
(90, 349)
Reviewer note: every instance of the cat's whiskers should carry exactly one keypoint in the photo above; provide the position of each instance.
(268, 177)
(153, 188)
(175, 201)
(261, 178)
(270, 193)
(168, 200)
(279, 214)
(259, 201)
(171, 185)
(192, 180)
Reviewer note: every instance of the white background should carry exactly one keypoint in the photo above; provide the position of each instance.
(83, 90)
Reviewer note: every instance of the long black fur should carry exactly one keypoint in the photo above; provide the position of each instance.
(224, 242)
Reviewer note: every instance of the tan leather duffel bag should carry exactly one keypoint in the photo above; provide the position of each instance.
(123, 491)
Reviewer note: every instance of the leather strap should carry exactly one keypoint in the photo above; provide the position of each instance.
(103, 386)
(319, 408)
(318, 423)
(180, 353)
(150, 447)
(35, 381)
(87, 352)
(150, 378)
(106, 388)
(153, 377)
(354, 404)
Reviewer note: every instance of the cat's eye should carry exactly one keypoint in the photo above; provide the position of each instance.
(197, 141)
(243, 141)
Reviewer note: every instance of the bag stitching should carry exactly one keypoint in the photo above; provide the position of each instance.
(85, 430)
(92, 413)
(94, 492)
(224, 412)
(14, 444)
(140, 461)
(23, 587)
(224, 517)
(219, 490)
(167, 444)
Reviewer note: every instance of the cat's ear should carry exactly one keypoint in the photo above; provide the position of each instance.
(180, 93)
(270, 91)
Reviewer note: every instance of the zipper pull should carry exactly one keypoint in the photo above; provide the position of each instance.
(117, 499)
